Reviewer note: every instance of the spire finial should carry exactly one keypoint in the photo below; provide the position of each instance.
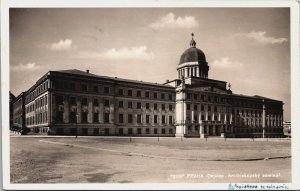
(193, 42)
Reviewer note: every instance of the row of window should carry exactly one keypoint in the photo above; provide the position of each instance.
(39, 118)
(41, 88)
(106, 90)
(148, 119)
(130, 131)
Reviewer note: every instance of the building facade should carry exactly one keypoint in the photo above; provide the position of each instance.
(71, 102)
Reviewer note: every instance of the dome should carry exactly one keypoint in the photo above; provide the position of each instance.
(192, 54)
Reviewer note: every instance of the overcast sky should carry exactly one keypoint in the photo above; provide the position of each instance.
(248, 47)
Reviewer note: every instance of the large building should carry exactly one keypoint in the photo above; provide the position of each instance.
(70, 102)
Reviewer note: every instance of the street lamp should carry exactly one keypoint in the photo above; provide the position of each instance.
(76, 124)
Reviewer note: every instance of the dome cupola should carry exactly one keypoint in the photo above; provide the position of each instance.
(193, 62)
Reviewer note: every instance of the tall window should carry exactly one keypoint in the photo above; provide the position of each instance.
(84, 101)
(147, 94)
(195, 107)
(139, 105)
(139, 118)
(170, 96)
(95, 89)
(84, 117)
(129, 104)
(147, 118)
(84, 87)
(155, 95)
(155, 119)
(129, 92)
(162, 96)
(96, 102)
(106, 117)
(188, 106)
(59, 100)
(72, 86)
(138, 93)
(106, 103)
(170, 120)
(106, 90)
(96, 117)
(120, 104)
(163, 119)
(155, 106)
(163, 106)
(120, 91)
(147, 105)
(129, 118)
(73, 117)
(121, 120)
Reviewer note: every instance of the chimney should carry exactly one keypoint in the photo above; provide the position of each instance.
(87, 71)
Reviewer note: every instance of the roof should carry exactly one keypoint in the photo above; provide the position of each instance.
(88, 74)
(192, 54)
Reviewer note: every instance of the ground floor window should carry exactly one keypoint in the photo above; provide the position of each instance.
(84, 117)
(130, 132)
(139, 131)
(163, 131)
(147, 131)
(121, 131)
(96, 131)
(59, 117)
(155, 131)
(73, 131)
(96, 117)
(106, 131)
(84, 131)
(72, 117)
(59, 131)
(106, 118)
(170, 131)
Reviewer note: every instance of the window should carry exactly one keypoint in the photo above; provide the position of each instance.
(195, 107)
(147, 118)
(139, 118)
(121, 119)
(106, 103)
(147, 105)
(129, 118)
(189, 96)
(95, 89)
(96, 131)
(170, 120)
(170, 96)
(188, 106)
(163, 131)
(155, 118)
(73, 117)
(106, 117)
(84, 87)
(121, 131)
(163, 119)
(155, 131)
(129, 92)
(96, 117)
(162, 96)
(170, 107)
(209, 118)
(120, 104)
(215, 109)
(130, 131)
(170, 131)
(120, 92)
(163, 106)
(147, 94)
(147, 131)
(106, 90)
(138, 93)
(155, 95)
(139, 105)
(155, 106)
(202, 97)
(84, 117)
(139, 130)
(84, 131)
(129, 104)
(202, 107)
(195, 97)
(59, 100)
(96, 102)
(215, 118)
(208, 108)
(202, 117)
(72, 86)
(84, 101)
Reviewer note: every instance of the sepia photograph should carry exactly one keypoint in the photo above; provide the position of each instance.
(128, 95)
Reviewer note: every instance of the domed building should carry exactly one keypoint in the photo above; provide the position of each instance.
(74, 102)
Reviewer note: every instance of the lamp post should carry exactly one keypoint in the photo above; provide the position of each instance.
(76, 124)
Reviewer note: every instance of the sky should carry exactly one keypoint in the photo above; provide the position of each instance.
(247, 47)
